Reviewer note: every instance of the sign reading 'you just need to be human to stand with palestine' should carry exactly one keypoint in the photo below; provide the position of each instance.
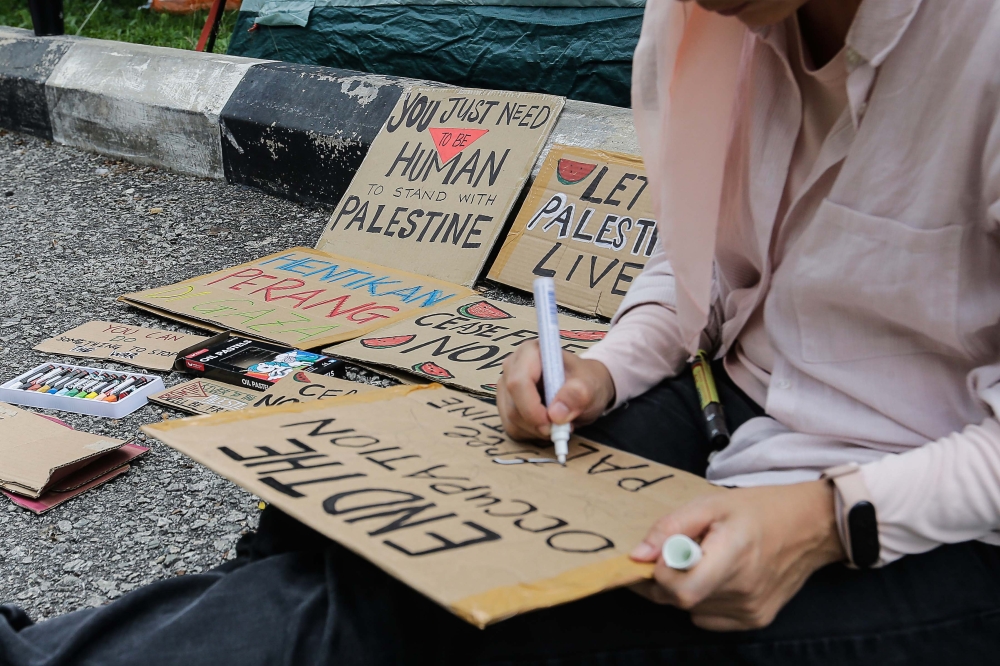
(439, 180)
(587, 223)
(300, 297)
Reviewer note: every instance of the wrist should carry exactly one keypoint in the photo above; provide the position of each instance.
(825, 541)
(603, 383)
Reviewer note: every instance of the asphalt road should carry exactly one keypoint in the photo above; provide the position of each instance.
(76, 231)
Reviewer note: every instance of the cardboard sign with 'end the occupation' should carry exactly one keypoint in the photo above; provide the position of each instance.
(463, 344)
(423, 482)
(587, 224)
(436, 187)
(301, 297)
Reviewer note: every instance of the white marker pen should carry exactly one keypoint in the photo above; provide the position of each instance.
(553, 374)
(681, 552)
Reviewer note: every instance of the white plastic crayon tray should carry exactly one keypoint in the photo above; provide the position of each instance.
(93, 407)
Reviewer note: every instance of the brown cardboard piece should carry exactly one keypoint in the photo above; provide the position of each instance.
(36, 453)
(308, 386)
(587, 223)
(408, 478)
(439, 180)
(300, 297)
(463, 344)
(133, 345)
(205, 396)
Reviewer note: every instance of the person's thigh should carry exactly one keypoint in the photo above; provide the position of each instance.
(666, 424)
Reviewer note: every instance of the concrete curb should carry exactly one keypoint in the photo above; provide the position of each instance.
(296, 131)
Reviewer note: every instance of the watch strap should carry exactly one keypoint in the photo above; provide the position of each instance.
(855, 512)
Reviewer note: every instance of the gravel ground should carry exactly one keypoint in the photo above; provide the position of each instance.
(75, 233)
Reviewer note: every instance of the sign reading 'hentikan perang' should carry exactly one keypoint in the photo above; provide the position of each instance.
(301, 297)
(440, 179)
(587, 223)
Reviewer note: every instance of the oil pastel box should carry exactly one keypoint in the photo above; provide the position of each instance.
(75, 382)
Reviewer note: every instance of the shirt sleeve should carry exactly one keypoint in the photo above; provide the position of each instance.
(947, 491)
(644, 344)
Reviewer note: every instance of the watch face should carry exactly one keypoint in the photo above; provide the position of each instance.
(862, 527)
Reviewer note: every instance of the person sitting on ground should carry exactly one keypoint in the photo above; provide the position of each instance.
(827, 178)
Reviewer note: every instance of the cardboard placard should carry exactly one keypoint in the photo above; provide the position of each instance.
(300, 297)
(587, 223)
(408, 478)
(100, 471)
(205, 396)
(148, 348)
(307, 387)
(464, 344)
(439, 180)
(36, 452)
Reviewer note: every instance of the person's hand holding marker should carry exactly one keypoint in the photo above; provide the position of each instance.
(758, 547)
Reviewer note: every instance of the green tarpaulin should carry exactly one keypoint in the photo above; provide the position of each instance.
(562, 47)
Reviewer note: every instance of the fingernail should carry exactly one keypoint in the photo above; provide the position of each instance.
(559, 412)
(643, 552)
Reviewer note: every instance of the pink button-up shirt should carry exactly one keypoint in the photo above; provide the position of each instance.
(880, 284)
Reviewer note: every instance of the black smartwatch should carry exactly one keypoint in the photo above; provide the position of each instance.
(856, 518)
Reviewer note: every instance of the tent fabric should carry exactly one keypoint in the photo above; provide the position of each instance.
(581, 52)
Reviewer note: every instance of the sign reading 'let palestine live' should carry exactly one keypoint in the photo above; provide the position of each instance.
(588, 224)
(440, 179)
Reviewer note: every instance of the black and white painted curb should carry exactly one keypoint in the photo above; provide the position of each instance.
(297, 131)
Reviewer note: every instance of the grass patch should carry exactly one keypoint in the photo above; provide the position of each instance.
(122, 20)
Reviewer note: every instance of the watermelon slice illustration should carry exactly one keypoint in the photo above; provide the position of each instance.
(385, 343)
(302, 377)
(432, 369)
(585, 336)
(492, 388)
(570, 172)
(483, 310)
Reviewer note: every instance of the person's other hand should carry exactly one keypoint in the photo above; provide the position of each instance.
(586, 393)
(759, 546)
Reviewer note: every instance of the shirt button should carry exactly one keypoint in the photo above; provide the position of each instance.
(853, 58)
(784, 383)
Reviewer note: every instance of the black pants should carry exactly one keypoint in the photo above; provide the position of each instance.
(292, 597)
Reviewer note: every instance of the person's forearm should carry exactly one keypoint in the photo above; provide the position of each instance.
(946, 491)
(642, 348)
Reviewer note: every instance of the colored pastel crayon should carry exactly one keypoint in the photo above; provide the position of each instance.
(98, 383)
(28, 381)
(96, 391)
(127, 392)
(85, 386)
(118, 389)
(123, 382)
(47, 386)
(38, 384)
(71, 386)
(64, 381)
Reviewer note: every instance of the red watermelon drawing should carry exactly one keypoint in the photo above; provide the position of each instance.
(583, 336)
(385, 343)
(482, 310)
(571, 172)
(492, 388)
(432, 369)
(302, 377)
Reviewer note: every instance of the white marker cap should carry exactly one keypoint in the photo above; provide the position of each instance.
(681, 552)
(559, 434)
